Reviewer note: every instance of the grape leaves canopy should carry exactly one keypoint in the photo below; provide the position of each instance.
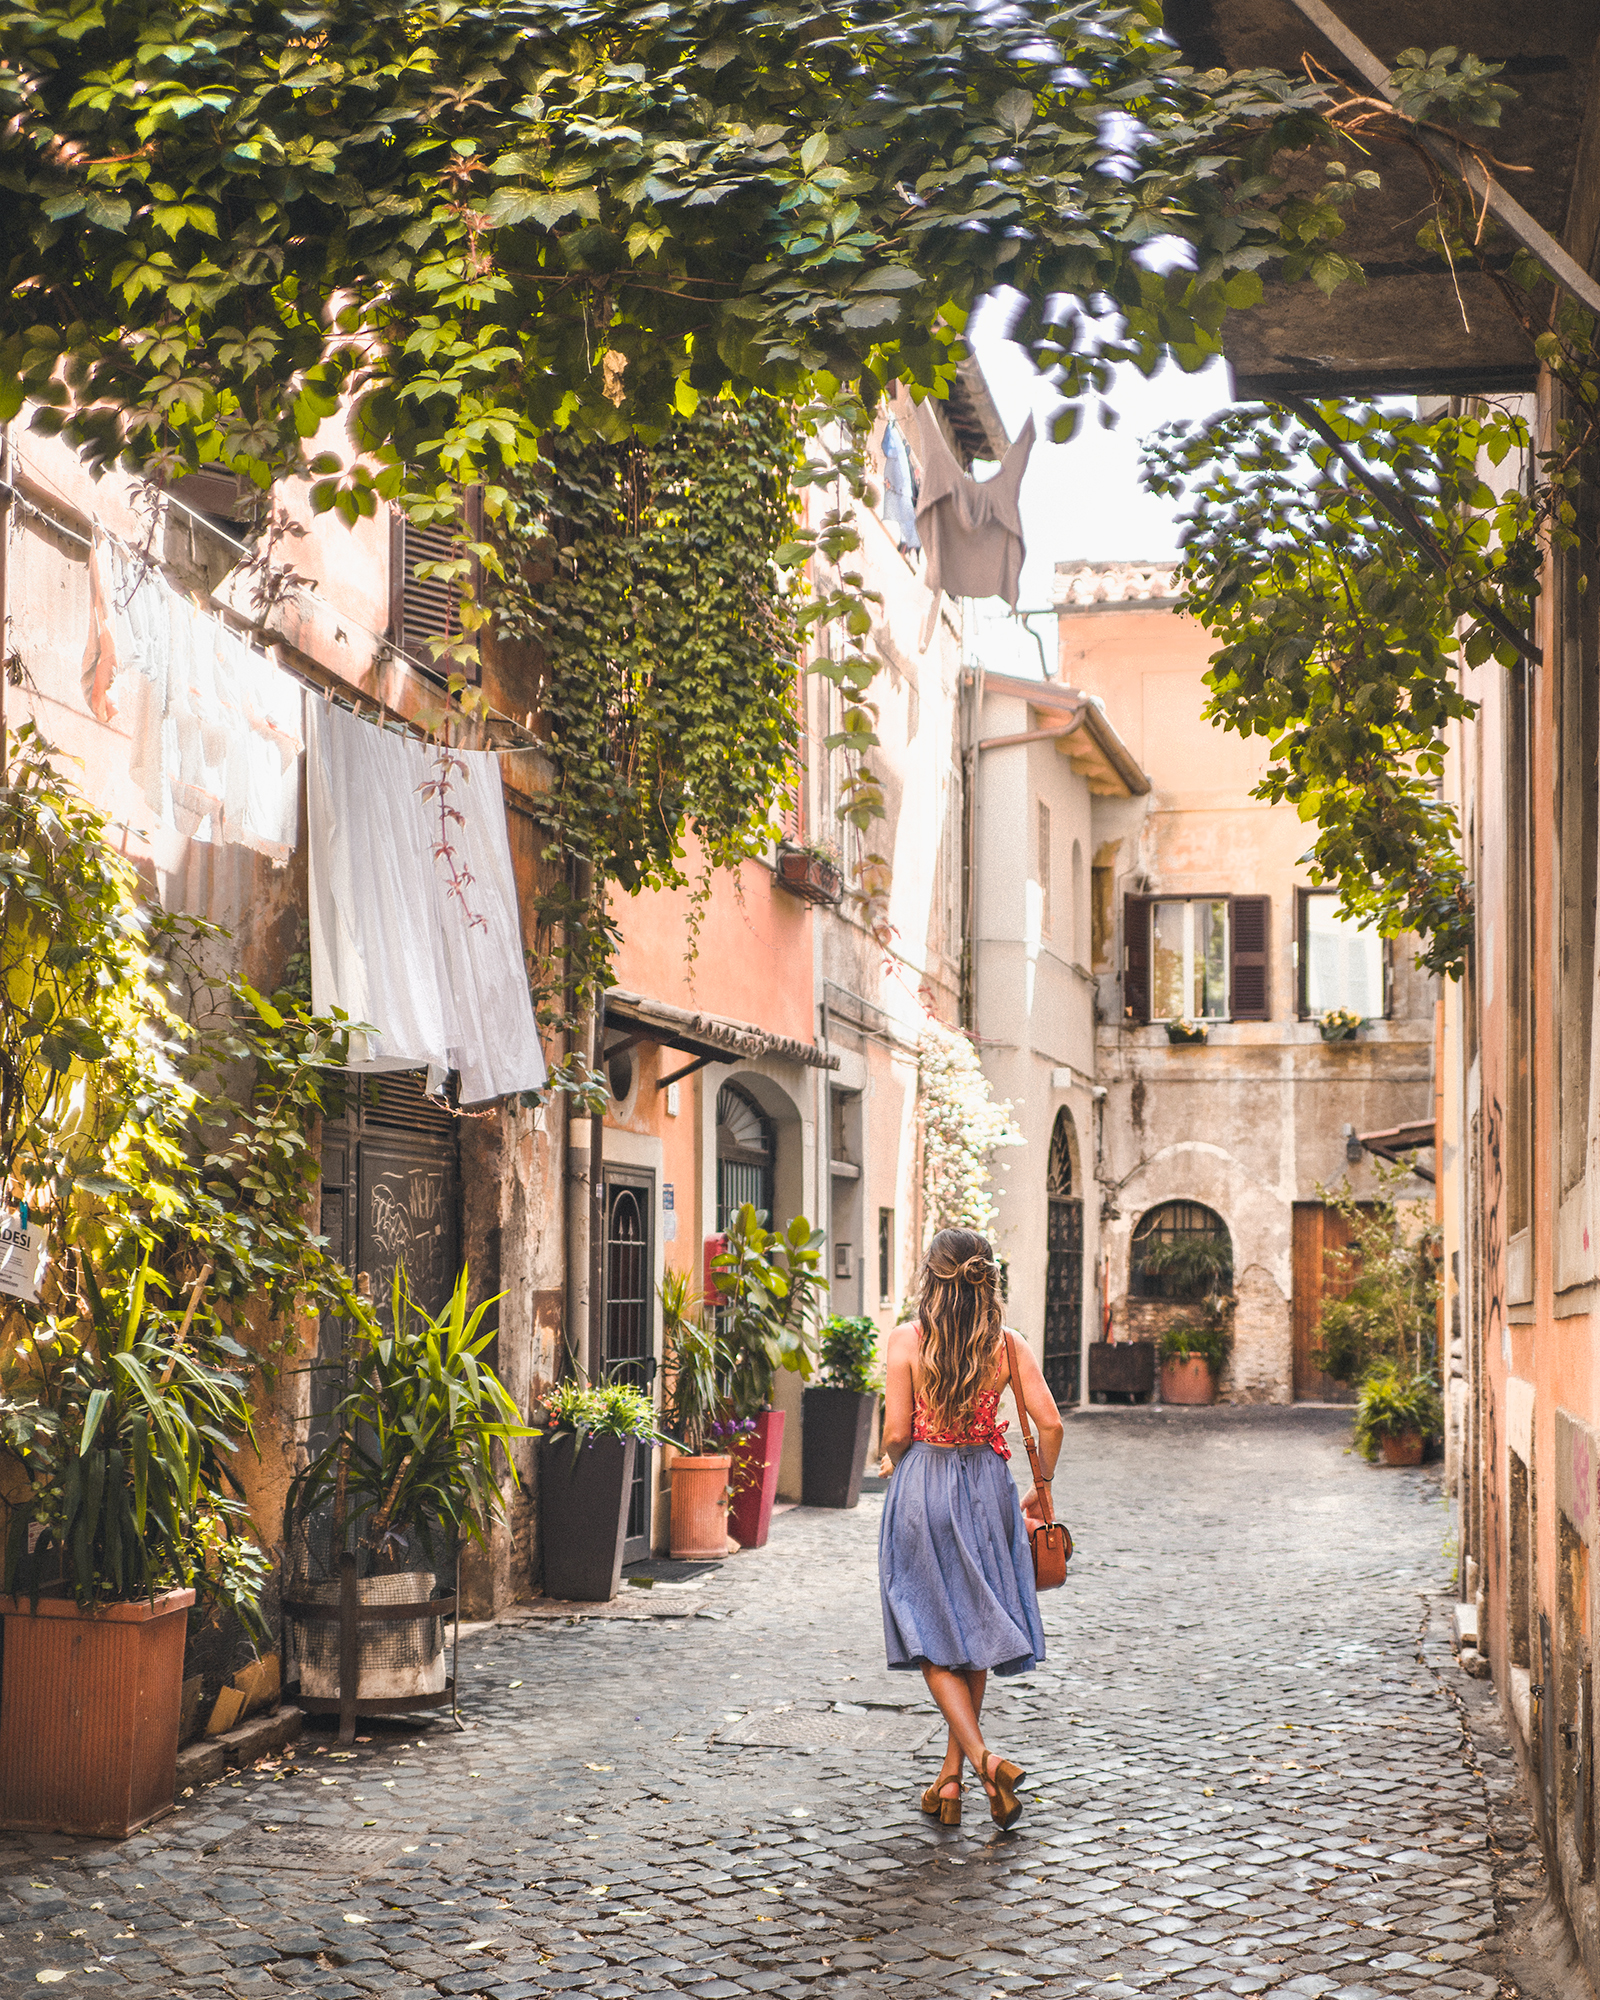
(472, 222)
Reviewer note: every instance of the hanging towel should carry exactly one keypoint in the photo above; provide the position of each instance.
(899, 488)
(971, 528)
(440, 978)
(214, 726)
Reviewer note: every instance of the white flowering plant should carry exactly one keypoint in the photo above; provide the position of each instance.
(962, 1127)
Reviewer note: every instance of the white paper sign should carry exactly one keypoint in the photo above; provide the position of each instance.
(21, 1256)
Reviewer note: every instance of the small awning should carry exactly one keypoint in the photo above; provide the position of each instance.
(707, 1037)
(1395, 1140)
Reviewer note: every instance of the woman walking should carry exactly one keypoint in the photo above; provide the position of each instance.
(953, 1558)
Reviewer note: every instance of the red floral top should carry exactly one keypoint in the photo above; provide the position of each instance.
(980, 1427)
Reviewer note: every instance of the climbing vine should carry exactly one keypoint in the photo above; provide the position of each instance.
(668, 691)
(175, 1211)
(1349, 558)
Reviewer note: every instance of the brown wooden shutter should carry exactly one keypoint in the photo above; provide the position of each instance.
(1136, 958)
(1249, 986)
(424, 608)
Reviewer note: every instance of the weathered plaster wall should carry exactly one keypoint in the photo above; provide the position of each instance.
(1257, 1118)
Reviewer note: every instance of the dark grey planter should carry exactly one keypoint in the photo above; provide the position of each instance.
(583, 1514)
(835, 1426)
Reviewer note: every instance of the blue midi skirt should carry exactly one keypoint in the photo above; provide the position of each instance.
(954, 1566)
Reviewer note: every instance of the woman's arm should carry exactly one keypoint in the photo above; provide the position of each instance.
(1041, 1407)
(897, 1397)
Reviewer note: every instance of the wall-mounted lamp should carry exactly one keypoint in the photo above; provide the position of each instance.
(842, 1267)
(1352, 1146)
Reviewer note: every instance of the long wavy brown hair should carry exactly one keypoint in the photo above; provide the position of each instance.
(958, 1309)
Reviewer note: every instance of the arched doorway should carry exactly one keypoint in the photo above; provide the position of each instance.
(746, 1155)
(1063, 1282)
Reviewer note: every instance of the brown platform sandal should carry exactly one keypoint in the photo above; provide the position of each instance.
(1005, 1808)
(937, 1806)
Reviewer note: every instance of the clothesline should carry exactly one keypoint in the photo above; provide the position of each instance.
(329, 689)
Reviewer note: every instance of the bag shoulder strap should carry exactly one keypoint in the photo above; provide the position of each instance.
(1040, 1486)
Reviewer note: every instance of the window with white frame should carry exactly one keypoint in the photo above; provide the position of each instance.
(1341, 963)
(1189, 959)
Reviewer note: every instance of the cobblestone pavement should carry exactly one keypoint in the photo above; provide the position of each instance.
(1250, 1770)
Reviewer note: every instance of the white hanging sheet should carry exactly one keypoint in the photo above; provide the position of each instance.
(440, 978)
(214, 726)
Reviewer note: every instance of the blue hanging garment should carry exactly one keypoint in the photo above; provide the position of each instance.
(899, 489)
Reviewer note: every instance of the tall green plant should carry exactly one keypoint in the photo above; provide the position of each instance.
(124, 1436)
(770, 1283)
(1388, 1315)
(175, 1214)
(417, 1429)
(697, 1361)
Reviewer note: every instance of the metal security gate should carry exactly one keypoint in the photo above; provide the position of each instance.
(391, 1195)
(1063, 1282)
(630, 1321)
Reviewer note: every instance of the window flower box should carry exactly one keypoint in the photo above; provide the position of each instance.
(1186, 1034)
(810, 874)
(1339, 1024)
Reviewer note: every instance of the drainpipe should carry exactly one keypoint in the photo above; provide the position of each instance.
(579, 1155)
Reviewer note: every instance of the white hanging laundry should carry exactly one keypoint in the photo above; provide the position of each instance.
(971, 528)
(390, 945)
(214, 726)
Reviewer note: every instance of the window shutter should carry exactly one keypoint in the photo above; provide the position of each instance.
(1247, 944)
(424, 608)
(1136, 958)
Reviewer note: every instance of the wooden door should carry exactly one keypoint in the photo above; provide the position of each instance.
(630, 1299)
(1317, 1231)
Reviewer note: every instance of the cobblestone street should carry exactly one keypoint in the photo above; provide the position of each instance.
(1248, 1770)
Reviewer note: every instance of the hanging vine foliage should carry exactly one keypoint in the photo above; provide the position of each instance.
(669, 692)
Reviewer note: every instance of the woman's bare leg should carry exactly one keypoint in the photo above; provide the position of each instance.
(951, 1689)
(977, 1679)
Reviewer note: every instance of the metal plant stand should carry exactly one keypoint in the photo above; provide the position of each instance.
(350, 1614)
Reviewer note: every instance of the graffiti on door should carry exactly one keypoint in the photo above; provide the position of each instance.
(410, 1226)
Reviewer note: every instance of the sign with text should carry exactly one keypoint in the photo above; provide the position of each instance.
(21, 1256)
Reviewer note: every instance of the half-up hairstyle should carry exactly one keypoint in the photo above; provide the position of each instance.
(958, 1310)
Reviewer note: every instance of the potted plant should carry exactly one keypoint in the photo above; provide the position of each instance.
(1192, 1360)
(407, 1475)
(155, 1223)
(1397, 1412)
(1198, 1270)
(586, 1457)
(697, 1362)
(810, 870)
(1339, 1024)
(120, 1438)
(768, 1282)
(1186, 1033)
(837, 1413)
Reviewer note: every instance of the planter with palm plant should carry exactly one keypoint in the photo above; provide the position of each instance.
(697, 1362)
(769, 1284)
(408, 1474)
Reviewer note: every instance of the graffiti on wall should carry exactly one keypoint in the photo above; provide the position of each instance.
(410, 1226)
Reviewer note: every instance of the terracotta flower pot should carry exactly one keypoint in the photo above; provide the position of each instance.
(1405, 1449)
(700, 1506)
(755, 1480)
(1187, 1378)
(89, 1711)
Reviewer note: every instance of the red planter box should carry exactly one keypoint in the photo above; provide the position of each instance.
(89, 1711)
(755, 1481)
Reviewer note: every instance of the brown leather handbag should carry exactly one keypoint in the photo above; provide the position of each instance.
(1051, 1541)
